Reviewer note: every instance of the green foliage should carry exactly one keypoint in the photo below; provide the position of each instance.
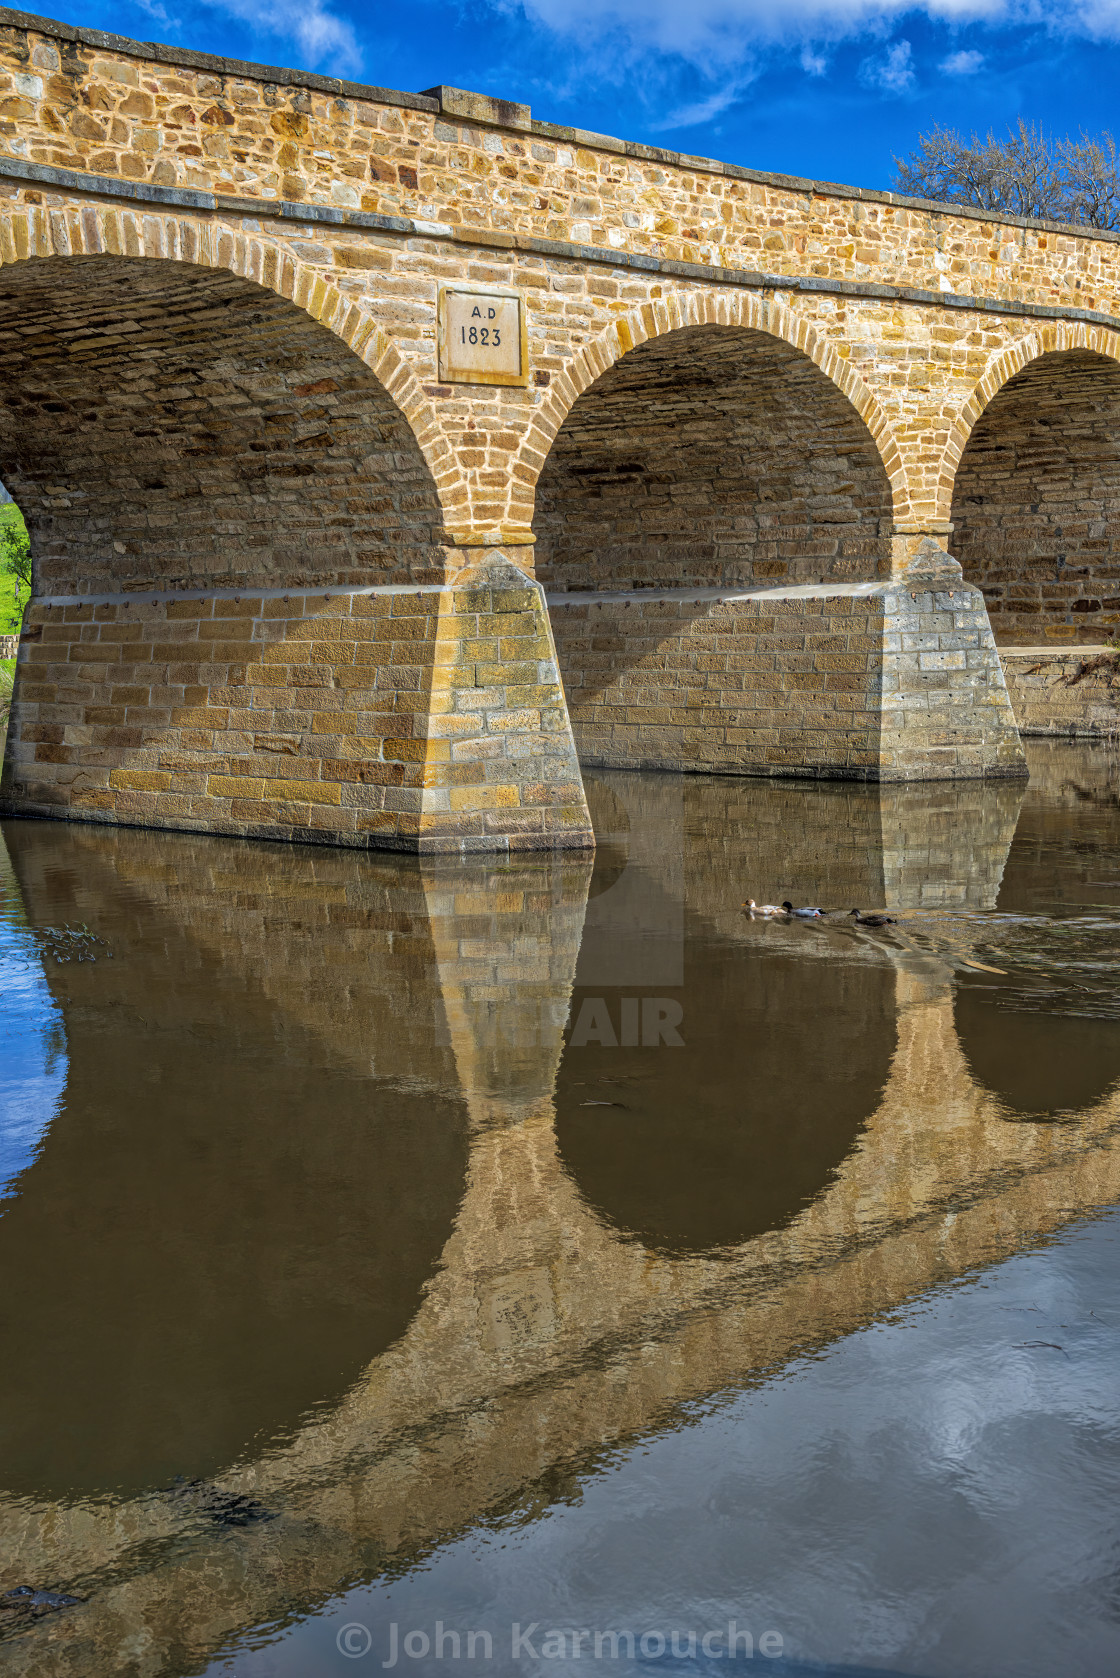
(15, 568)
(7, 677)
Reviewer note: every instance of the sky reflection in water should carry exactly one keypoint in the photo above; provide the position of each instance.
(32, 1055)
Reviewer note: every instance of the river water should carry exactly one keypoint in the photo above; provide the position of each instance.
(515, 1268)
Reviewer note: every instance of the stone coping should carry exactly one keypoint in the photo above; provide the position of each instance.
(569, 597)
(152, 597)
(1092, 650)
(732, 596)
(495, 112)
(494, 239)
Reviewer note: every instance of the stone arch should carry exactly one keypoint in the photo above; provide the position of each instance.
(690, 309)
(1062, 335)
(37, 245)
(1031, 482)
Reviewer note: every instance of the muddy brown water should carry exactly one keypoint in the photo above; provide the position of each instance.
(397, 1255)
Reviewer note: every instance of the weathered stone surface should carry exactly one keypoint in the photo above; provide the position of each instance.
(712, 456)
(324, 717)
(1074, 692)
(1037, 502)
(861, 682)
(171, 427)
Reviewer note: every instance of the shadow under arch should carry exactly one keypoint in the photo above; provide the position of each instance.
(1036, 499)
(285, 1211)
(698, 1148)
(684, 311)
(173, 423)
(1005, 365)
(712, 454)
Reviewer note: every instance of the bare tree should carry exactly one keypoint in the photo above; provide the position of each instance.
(1092, 175)
(1025, 174)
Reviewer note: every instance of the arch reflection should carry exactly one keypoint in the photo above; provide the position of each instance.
(544, 1336)
(1040, 1065)
(700, 1147)
(225, 1223)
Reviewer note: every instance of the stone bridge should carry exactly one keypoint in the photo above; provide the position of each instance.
(741, 476)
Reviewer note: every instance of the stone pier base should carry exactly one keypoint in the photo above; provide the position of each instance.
(414, 718)
(880, 681)
(433, 719)
(1067, 691)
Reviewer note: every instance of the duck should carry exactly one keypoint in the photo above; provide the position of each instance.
(770, 909)
(802, 914)
(871, 920)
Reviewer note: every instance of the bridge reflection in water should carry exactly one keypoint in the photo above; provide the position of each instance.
(334, 1219)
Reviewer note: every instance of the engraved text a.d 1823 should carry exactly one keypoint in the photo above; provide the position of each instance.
(482, 340)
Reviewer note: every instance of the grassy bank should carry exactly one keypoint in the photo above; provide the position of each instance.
(13, 599)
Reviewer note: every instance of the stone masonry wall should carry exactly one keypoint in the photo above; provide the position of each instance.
(945, 703)
(1074, 692)
(1036, 507)
(769, 684)
(712, 456)
(422, 719)
(76, 100)
(164, 216)
(380, 197)
(867, 682)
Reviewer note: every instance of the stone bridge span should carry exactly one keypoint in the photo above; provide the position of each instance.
(754, 462)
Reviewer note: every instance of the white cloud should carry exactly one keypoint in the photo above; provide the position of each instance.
(703, 110)
(714, 34)
(813, 63)
(894, 72)
(964, 63)
(153, 9)
(711, 33)
(1098, 18)
(323, 39)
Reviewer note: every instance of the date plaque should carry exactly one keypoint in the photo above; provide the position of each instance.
(482, 337)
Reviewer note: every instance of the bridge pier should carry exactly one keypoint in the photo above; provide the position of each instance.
(409, 716)
(897, 680)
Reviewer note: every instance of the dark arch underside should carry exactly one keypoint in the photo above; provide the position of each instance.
(168, 426)
(709, 456)
(1036, 505)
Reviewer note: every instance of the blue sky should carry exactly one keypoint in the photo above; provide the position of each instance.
(828, 88)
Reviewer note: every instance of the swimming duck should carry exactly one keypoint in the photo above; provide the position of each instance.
(763, 908)
(871, 920)
(802, 914)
